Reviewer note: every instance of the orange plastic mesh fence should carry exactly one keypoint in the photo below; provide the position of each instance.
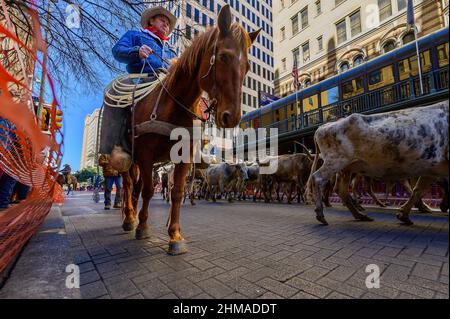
(27, 154)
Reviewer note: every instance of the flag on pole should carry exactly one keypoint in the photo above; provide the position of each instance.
(295, 73)
(410, 14)
(266, 98)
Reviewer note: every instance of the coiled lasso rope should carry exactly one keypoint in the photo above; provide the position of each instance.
(123, 92)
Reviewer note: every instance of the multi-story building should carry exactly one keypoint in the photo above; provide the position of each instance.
(92, 124)
(331, 36)
(196, 16)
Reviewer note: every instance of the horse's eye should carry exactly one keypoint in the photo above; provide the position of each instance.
(224, 58)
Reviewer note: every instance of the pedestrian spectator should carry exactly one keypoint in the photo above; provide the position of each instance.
(7, 183)
(112, 177)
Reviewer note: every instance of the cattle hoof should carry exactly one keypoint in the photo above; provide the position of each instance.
(404, 219)
(128, 226)
(322, 220)
(142, 233)
(177, 248)
(365, 218)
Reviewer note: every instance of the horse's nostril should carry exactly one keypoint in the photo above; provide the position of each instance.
(226, 116)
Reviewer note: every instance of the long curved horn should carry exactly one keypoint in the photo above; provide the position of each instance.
(307, 150)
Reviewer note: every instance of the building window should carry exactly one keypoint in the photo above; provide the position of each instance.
(401, 4)
(296, 55)
(305, 51)
(355, 23)
(304, 15)
(307, 83)
(407, 38)
(188, 32)
(338, 2)
(294, 21)
(341, 29)
(385, 8)
(282, 4)
(188, 10)
(359, 59)
(196, 15)
(283, 33)
(318, 7)
(388, 46)
(320, 43)
(344, 67)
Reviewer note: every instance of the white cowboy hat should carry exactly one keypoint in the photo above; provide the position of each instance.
(154, 11)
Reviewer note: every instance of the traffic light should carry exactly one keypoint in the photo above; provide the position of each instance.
(58, 119)
(45, 119)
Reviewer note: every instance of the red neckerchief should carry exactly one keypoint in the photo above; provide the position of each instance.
(157, 33)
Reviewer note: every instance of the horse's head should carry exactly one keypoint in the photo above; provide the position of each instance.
(224, 66)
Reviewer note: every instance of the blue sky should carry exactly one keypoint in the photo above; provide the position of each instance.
(75, 109)
(77, 102)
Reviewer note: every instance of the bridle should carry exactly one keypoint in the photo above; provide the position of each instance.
(212, 62)
(212, 103)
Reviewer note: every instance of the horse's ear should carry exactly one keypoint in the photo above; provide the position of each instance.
(224, 20)
(254, 35)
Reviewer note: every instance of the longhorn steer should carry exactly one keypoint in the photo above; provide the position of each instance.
(390, 146)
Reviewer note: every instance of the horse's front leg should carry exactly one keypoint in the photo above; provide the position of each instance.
(177, 244)
(129, 223)
(146, 178)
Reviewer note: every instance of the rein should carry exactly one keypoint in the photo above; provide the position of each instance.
(213, 103)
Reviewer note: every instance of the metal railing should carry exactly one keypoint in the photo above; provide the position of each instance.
(381, 98)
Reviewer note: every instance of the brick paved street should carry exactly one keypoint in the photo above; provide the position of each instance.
(246, 250)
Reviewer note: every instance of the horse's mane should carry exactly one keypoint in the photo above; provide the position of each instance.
(189, 59)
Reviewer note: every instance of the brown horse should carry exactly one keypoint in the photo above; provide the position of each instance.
(216, 62)
(72, 185)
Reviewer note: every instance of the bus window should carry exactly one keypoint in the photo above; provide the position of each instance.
(278, 114)
(352, 88)
(380, 78)
(330, 96)
(310, 103)
(266, 119)
(442, 51)
(408, 67)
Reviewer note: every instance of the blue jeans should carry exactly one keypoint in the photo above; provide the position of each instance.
(109, 181)
(7, 184)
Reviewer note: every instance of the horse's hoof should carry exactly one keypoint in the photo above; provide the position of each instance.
(177, 248)
(322, 220)
(142, 233)
(128, 226)
(193, 203)
(365, 218)
(404, 219)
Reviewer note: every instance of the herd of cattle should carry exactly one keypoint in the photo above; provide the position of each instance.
(408, 146)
